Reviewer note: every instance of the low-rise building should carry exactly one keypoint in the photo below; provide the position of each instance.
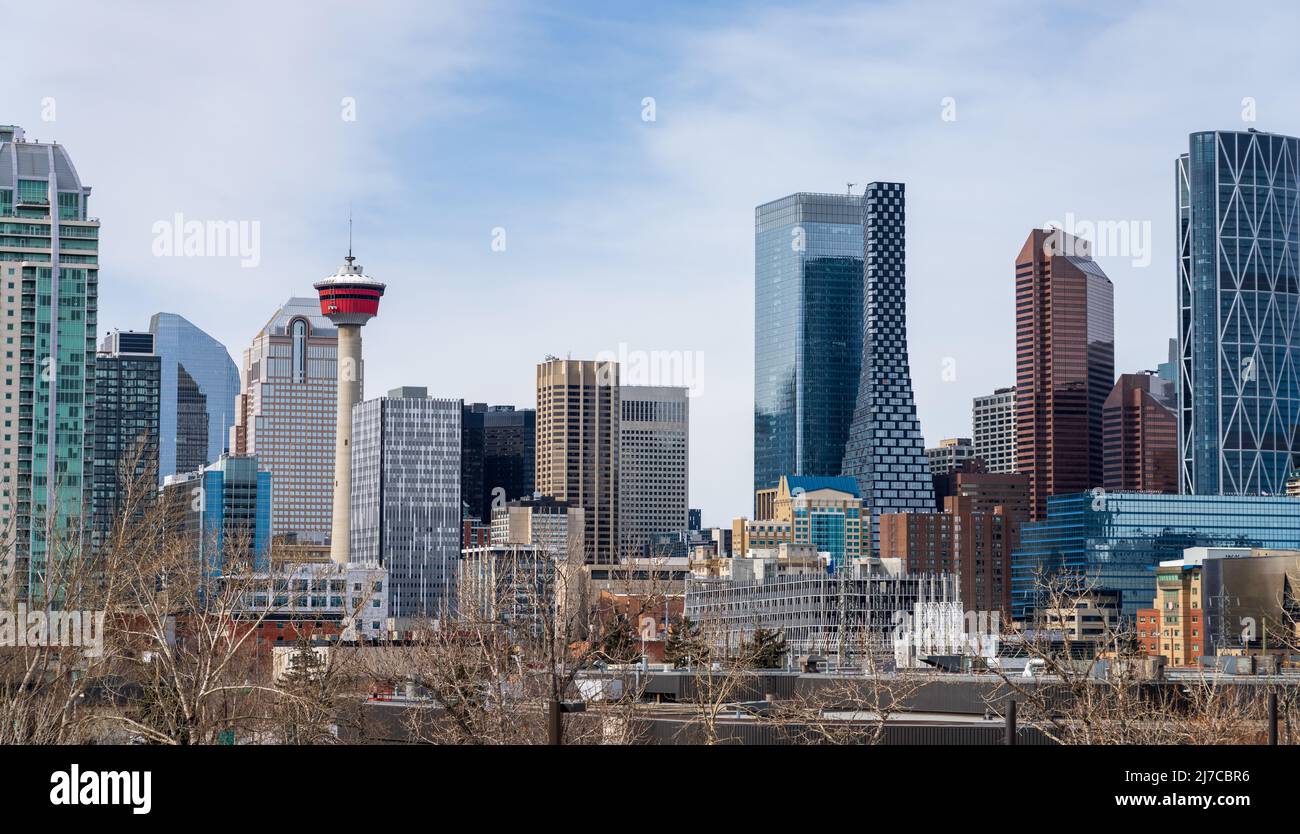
(813, 609)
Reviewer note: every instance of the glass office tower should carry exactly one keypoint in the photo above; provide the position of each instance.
(1118, 538)
(406, 502)
(199, 385)
(127, 374)
(1239, 338)
(808, 294)
(885, 450)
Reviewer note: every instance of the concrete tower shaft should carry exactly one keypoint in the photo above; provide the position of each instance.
(349, 299)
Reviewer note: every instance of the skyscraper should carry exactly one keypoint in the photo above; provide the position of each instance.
(577, 446)
(406, 505)
(994, 434)
(654, 465)
(200, 384)
(49, 267)
(807, 333)
(885, 450)
(498, 452)
(285, 415)
(1065, 365)
(127, 384)
(1140, 436)
(1238, 305)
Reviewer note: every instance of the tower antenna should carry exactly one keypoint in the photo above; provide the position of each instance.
(350, 259)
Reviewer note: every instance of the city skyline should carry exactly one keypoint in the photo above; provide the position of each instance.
(664, 204)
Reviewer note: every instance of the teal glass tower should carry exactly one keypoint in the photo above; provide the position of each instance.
(1239, 319)
(807, 333)
(49, 288)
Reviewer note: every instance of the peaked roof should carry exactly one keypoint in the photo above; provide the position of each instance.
(811, 483)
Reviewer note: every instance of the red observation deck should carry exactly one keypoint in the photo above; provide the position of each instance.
(349, 296)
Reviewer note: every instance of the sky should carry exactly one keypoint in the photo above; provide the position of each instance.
(579, 178)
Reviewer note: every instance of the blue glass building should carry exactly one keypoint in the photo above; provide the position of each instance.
(885, 451)
(1239, 337)
(199, 380)
(224, 505)
(807, 333)
(1118, 538)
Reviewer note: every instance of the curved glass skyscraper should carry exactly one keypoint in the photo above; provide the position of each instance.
(1239, 335)
(807, 333)
(199, 385)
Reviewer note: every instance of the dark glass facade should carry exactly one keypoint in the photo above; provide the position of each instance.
(191, 423)
(1117, 539)
(885, 451)
(498, 450)
(808, 305)
(1239, 337)
(127, 384)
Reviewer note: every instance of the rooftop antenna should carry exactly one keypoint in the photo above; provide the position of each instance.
(349, 258)
(850, 185)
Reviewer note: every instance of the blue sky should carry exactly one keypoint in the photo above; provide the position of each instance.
(476, 116)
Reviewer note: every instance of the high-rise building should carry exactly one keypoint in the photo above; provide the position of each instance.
(349, 298)
(49, 268)
(285, 415)
(128, 377)
(885, 450)
(949, 454)
(406, 506)
(200, 385)
(1065, 365)
(990, 490)
(1140, 436)
(1238, 203)
(498, 456)
(552, 526)
(994, 430)
(974, 545)
(653, 454)
(807, 333)
(223, 510)
(577, 446)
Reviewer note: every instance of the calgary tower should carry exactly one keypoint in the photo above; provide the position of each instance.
(349, 298)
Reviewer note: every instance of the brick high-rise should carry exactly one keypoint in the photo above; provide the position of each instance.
(1140, 436)
(1065, 365)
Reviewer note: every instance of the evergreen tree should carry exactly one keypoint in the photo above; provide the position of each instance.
(684, 644)
(620, 643)
(767, 648)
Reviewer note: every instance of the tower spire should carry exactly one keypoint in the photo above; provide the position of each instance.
(349, 258)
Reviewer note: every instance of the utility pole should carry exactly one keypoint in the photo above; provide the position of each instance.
(843, 655)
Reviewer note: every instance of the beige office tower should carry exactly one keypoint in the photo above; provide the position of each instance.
(653, 454)
(285, 414)
(577, 446)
